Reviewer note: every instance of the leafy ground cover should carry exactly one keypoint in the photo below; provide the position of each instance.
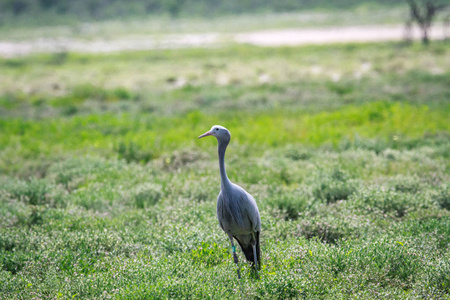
(106, 193)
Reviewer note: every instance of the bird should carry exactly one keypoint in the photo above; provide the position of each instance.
(237, 211)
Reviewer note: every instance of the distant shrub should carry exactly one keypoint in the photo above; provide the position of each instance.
(443, 150)
(89, 91)
(340, 88)
(391, 154)
(35, 192)
(392, 262)
(122, 94)
(333, 186)
(324, 231)
(87, 97)
(376, 145)
(443, 197)
(147, 195)
(181, 158)
(69, 110)
(295, 153)
(386, 201)
(73, 172)
(12, 261)
(58, 58)
(291, 203)
(200, 191)
(97, 196)
(253, 173)
(14, 63)
(10, 101)
(285, 176)
(132, 152)
(405, 184)
(36, 216)
(437, 279)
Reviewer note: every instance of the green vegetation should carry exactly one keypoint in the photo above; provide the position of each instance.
(105, 190)
(30, 28)
(111, 9)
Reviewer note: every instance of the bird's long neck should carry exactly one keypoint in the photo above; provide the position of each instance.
(225, 182)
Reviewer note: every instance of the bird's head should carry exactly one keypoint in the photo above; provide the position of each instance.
(221, 133)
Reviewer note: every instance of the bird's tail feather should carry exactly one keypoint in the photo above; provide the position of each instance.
(248, 250)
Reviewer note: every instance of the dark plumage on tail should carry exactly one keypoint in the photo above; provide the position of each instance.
(248, 250)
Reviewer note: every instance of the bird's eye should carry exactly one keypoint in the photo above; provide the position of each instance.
(217, 129)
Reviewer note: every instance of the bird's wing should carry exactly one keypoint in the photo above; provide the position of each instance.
(237, 211)
(252, 211)
(221, 211)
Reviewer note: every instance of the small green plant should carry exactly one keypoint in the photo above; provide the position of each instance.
(12, 261)
(210, 254)
(324, 231)
(333, 186)
(443, 197)
(122, 94)
(438, 278)
(36, 192)
(58, 58)
(384, 201)
(147, 195)
(291, 203)
(340, 88)
(200, 191)
(295, 153)
(181, 158)
(405, 184)
(132, 152)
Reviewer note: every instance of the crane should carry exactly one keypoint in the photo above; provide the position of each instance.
(237, 212)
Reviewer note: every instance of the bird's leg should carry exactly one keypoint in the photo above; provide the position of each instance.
(233, 249)
(255, 259)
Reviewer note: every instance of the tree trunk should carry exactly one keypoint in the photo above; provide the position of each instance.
(425, 36)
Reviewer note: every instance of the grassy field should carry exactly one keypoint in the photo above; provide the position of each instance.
(105, 191)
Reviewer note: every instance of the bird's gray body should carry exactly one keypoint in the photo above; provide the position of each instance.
(237, 211)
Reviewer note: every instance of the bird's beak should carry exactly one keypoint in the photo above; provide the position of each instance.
(205, 134)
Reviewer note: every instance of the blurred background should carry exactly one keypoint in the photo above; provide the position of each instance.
(58, 11)
(339, 113)
(109, 25)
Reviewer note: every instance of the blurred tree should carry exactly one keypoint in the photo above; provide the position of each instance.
(17, 7)
(423, 12)
(152, 6)
(48, 3)
(447, 27)
(174, 7)
(95, 7)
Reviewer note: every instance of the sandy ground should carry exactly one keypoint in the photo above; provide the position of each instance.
(271, 38)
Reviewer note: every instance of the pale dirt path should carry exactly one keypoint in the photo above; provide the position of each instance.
(285, 37)
(293, 37)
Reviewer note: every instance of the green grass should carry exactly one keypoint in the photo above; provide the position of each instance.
(105, 190)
